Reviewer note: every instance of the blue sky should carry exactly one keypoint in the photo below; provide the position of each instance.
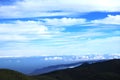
(59, 27)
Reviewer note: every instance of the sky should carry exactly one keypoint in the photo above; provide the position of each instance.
(59, 27)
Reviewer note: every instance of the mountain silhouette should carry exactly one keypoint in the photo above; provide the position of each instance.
(105, 70)
(61, 66)
(6, 74)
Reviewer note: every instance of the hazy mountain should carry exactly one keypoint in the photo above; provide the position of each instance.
(106, 70)
(27, 65)
(61, 66)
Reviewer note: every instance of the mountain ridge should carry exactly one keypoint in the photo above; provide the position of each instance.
(62, 66)
(105, 70)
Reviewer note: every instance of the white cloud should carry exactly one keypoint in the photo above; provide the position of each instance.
(31, 30)
(104, 45)
(12, 38)
(110, 19)
(53, 58)
(108, 45)
(65, 21)
(20, 27)
(23, 30)
(39, 8)
(53, 28)
(51, 40)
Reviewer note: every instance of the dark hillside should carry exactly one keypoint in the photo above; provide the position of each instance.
(108, 70)
(6, 74)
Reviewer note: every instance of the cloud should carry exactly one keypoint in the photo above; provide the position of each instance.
(23, 27)
(40, 8)
(50, 29)
(23, 30)
(110, 19)
(33, 30)
(53, 58)
(109, 45)
(58, 35)
(64, 21)
(12, 38)
(55, 28)
(49, 37)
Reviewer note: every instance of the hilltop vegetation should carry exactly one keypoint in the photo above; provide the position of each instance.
(6, 74)
(107, 70)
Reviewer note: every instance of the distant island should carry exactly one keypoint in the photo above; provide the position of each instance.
(105, 70)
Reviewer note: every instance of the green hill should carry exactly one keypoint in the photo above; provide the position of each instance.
(6, 74)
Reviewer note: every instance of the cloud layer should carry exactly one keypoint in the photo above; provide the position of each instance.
(44, 37)
(45, 8)
(56, 27)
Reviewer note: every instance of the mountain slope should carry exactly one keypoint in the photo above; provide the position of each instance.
(6, 74)
(61, 66)
(56, 67)
(107, 70)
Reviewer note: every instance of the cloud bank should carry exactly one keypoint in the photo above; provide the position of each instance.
(45, 8)
(55, 27)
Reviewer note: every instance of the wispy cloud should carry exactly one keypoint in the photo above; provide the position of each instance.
(55, 27)
(109, 20)
(44, 37)
(40, 8)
